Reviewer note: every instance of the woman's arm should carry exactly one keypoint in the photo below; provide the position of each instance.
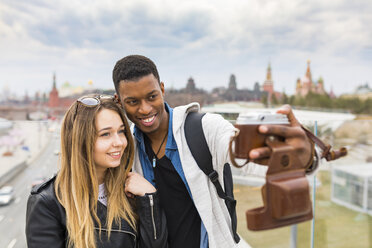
(43, 229)
(153, 232)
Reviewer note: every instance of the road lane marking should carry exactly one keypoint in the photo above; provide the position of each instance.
(1, 217)
(12, 243)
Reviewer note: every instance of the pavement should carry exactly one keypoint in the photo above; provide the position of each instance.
(34, 137)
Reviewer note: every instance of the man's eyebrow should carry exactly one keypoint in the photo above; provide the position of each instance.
(129, 97)
(132, 97)
(152, 92)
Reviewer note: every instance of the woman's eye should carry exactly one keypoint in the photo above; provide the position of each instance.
(122, 131)
(105, 134)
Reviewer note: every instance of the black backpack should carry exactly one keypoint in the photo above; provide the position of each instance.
(199, 148)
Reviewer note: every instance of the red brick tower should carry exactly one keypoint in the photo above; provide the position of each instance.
(268, 85)
(53, 95)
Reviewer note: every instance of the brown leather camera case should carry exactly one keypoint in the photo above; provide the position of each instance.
(286, 195)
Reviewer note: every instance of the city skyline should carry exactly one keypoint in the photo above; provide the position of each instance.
(206, 40)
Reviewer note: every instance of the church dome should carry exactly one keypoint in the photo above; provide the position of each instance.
(305, 80)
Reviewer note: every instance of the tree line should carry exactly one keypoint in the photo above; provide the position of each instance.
(354, 105)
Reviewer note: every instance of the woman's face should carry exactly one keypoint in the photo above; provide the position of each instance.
(111, 140)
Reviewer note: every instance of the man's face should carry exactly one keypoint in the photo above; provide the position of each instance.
(143, 101)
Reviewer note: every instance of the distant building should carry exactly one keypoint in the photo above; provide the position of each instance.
(305, 85)
(55, 101)
(186, 95)
(190, 86)
(268, 86)
(332, 95)
(232, 93)
(53, 95)
(363, 92)
(59, 103)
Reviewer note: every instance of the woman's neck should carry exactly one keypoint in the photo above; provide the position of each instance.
(101, 176)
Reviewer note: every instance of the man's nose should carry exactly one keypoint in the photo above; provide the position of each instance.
(145, 108)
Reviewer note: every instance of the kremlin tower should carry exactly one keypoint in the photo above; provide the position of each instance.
(53, 95)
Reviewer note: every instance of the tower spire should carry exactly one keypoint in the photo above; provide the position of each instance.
(268, 74)
(308, 71)
(54, 81)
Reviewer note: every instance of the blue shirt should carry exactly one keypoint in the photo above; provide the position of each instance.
(171, 151)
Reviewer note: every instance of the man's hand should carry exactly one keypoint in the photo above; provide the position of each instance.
(137, 185)
(293, 135)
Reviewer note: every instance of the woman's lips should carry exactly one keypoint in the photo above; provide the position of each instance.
(115, 155)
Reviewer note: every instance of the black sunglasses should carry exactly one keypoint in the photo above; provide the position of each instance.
(93, 101)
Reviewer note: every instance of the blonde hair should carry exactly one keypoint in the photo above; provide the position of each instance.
(76, 184)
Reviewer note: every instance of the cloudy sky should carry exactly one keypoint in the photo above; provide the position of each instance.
(208, 40)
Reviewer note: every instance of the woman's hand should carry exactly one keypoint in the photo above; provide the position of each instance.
(137, 185)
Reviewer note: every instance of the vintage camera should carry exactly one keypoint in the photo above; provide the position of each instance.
(248, 137)
(285, 195)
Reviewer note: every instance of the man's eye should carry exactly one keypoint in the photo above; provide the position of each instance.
(152, 97)
(131, 102)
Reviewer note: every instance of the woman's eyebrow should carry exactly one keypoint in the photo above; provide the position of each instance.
(103, 129)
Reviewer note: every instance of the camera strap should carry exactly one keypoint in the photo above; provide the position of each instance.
(327, 151)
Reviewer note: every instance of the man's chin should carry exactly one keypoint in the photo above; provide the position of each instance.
(147, 129)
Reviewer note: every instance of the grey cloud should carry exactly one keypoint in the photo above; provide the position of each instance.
(69, 27)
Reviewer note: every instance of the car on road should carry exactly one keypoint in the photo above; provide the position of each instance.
(6, 195)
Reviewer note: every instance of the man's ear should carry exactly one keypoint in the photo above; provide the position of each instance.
(162, 88)
(117, 99)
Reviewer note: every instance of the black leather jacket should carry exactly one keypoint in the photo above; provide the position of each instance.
(46, 222)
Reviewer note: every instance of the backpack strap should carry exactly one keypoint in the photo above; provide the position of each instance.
(200, 151)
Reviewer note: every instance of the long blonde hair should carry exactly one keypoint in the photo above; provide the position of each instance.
(76, 184)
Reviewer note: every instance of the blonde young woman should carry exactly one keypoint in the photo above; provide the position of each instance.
(86, 204)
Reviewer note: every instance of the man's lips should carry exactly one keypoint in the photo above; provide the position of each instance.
(148, 120)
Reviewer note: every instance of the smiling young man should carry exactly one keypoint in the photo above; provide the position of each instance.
(196, 216)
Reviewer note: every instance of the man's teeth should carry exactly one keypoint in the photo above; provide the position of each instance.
(149, 119)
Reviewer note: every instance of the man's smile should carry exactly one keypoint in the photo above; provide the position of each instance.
(148, 120)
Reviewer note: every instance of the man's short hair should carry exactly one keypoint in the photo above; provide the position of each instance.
(132, 68)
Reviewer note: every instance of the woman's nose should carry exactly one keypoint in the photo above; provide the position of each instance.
(119, 141)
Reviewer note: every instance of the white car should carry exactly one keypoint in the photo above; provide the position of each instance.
(6, 195)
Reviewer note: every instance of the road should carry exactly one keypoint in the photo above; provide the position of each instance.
(13, 216)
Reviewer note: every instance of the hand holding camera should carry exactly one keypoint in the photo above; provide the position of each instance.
(279, 141)
(256, 129)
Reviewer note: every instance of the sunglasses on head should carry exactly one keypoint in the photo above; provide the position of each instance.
(93, 101)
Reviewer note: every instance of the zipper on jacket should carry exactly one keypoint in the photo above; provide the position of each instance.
(152, 214)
